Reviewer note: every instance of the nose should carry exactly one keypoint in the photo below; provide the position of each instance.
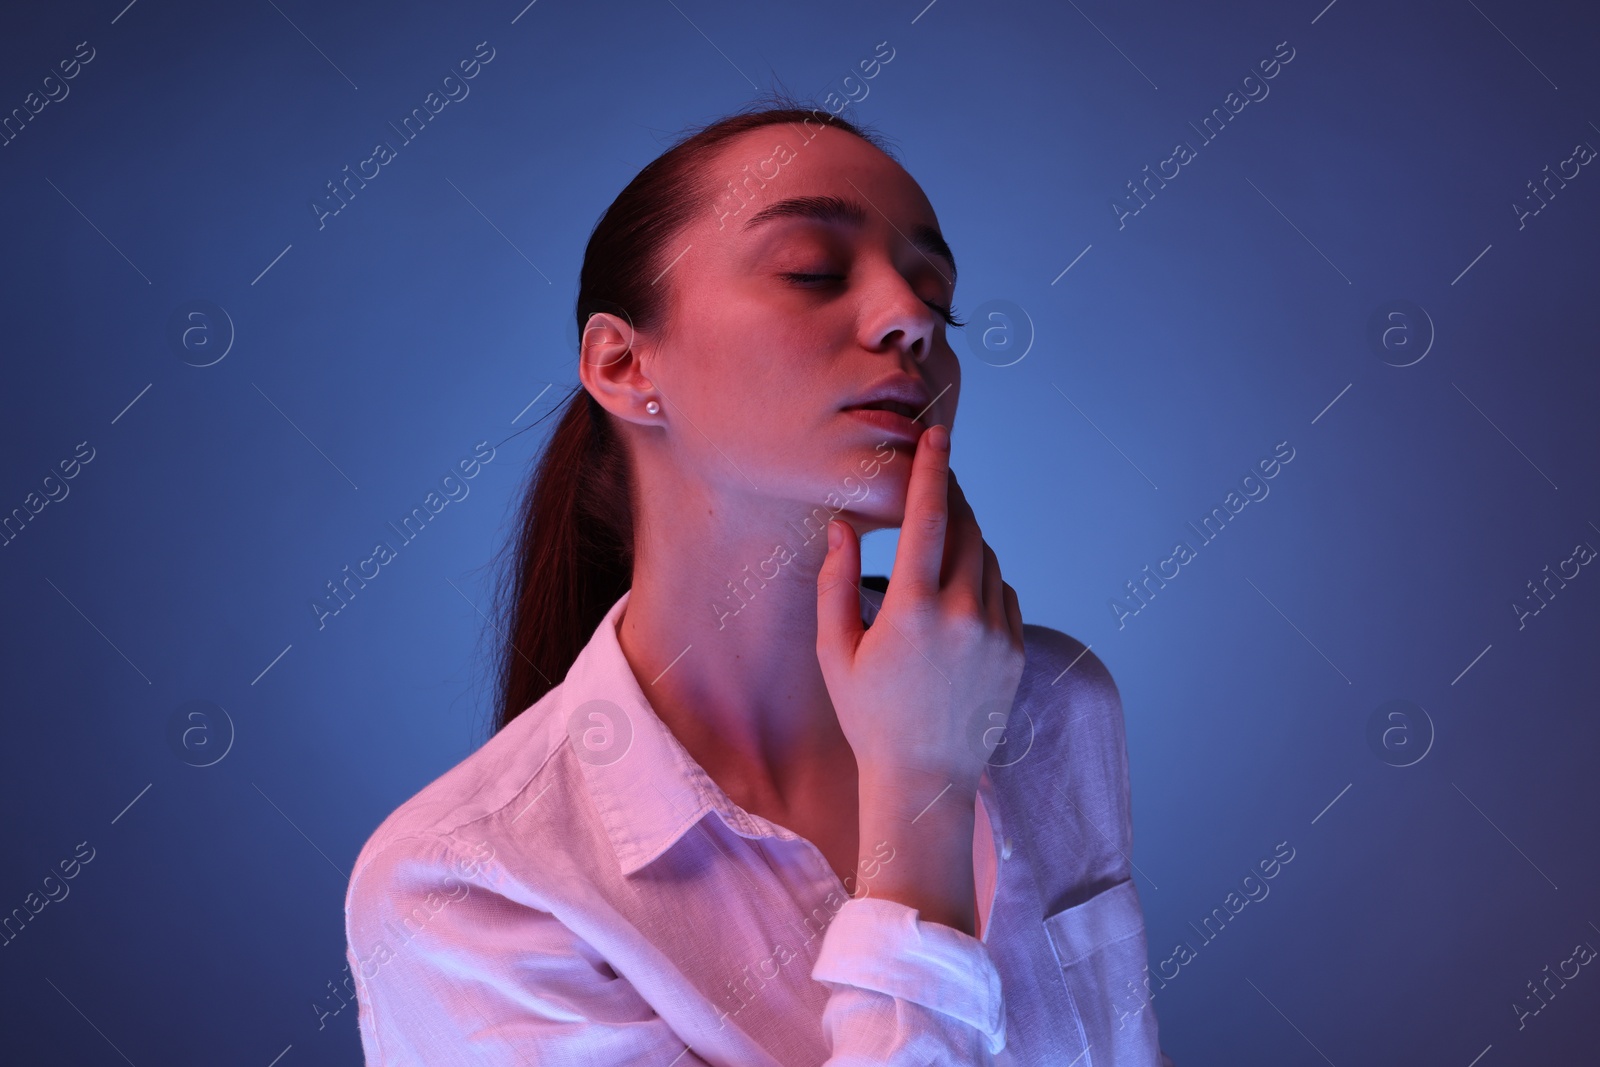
(904, 321)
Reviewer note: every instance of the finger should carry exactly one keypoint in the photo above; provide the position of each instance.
(1014, 615)
(963, 563)
(994, 593)
(920, 552)
(839, 626)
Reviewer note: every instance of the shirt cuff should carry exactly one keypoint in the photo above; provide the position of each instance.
(885, 946)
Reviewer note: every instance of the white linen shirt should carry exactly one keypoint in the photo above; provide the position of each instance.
(560, 897)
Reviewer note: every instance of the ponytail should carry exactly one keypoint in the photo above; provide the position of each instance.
(573, 555)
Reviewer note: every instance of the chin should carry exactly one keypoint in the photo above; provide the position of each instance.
(868, 488)
(880, 511)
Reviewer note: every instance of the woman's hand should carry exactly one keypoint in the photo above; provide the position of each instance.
(924, 694)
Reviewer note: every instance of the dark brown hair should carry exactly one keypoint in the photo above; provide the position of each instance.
(572, 553)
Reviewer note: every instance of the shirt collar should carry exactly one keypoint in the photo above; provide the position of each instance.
(645, 786)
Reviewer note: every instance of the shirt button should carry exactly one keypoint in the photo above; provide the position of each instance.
(1005, 849)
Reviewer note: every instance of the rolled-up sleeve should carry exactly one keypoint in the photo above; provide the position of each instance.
(905, 991)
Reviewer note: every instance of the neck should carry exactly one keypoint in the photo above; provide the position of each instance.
(720, 631)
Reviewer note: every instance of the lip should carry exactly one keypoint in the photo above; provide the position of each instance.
(893, 422)
(901, 388)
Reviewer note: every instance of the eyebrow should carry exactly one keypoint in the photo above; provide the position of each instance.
(839, 211)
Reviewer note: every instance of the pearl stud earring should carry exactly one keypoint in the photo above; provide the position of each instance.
(653, 408)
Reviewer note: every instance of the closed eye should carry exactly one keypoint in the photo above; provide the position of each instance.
(946, 313)
(797, 277)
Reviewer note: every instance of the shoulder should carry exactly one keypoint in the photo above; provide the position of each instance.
(415, 864)
(398, 871)
(1069, 703)
(455, 821)
(408, 883)
(1062, 676)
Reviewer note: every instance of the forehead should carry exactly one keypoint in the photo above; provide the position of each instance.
(760, 168)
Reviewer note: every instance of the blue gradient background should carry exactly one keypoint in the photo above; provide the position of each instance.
(427, 316)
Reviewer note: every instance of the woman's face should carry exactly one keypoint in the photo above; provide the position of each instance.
(815, 286)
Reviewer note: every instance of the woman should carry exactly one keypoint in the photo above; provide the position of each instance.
(764, 377)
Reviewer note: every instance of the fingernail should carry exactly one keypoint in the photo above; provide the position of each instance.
(835, 535)
(939, 437)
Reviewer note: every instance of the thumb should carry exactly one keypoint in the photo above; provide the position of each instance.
(839, 627)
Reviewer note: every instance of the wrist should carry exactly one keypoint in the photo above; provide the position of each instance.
(914, 794)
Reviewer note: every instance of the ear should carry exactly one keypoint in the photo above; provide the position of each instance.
(610, 366)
